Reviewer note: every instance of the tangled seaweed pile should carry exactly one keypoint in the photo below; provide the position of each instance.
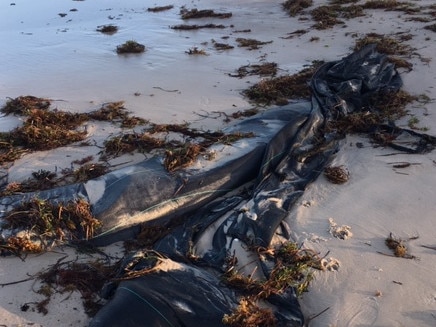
(39, 225)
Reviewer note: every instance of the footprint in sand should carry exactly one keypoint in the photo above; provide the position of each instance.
(330, 264)
(342, 232)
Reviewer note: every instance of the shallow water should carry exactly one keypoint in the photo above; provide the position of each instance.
(65, 58)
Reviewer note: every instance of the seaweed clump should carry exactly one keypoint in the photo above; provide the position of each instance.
(385, 106)
(45, 129)
(107, 29)
(195, 13)
(196, 51)
(130, 142)
(22, 105)
(40, 180)
(42, 130)
(293, 268)
(398, 246)
(330, 15)
(278, 90)
(130, 46)
(188, 27)
(44, 179)
(378, 109)
(336, 11)
(327, 16)
(381, 4)
(337, 174)
(294, 7)
(160, 8)
(250, 44)
(41, 224)
(431, 27)
(178, 154)
(249, 314)
(391, 5)
(222, 46)
(264, 69)
(67, 276)
(182, 157)
(385, 44)
(116, 112)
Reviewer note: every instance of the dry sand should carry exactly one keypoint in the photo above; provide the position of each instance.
(64, 58)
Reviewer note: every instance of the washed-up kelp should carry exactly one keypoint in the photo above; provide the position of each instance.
(238, 202)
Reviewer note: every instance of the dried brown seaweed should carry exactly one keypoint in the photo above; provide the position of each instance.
(250, 44)
(391, 45)
(337, 174)
(45, 129)
(188, 27)
(204, 13)
(330, 15)
(41, 224)
(130, 46)
(160, 8)
(294, 7)
(107, 29)
(22, 105)
(87, 278)
(262, 69)
(249, 314)
(279, 89)
(398, 246)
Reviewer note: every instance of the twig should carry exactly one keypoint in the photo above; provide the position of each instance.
(429, 247)
(401, 173)
(306, 324)
(159, 88)
(395, 256)
(389, 154)
(16, 282)
(402, 164)
(13, 251)
(208, 115)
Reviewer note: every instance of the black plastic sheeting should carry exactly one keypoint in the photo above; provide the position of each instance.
(290, 150)
(294, 157)
(188, 296)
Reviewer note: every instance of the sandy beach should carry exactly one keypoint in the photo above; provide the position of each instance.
(54, 51)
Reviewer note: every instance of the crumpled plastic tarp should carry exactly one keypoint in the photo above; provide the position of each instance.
(293, 157)
(290, 150)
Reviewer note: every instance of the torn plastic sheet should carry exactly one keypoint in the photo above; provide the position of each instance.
(204, 212)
